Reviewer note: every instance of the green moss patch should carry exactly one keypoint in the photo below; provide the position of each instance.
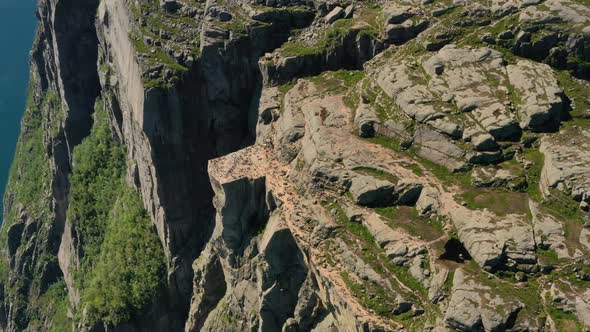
(358, 236)
(547, 257)
(499, 202)
(376, 173)
(407, 218)
(329, 40)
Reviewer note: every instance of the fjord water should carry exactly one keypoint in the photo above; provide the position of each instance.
(17, 25)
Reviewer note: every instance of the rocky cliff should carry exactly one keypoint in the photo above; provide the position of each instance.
(291, 165)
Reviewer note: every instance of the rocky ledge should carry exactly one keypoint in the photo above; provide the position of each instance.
(293, 165)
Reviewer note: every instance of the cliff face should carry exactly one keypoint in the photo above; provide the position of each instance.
(302, 166)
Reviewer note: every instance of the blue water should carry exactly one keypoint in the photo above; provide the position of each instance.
(17, 26)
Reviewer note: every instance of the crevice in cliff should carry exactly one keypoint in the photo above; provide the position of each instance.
(350, 50)
(283, 280)
(77, 47)
(63, 89)
(209, 114)
(211, 290)
(455, 251)
(76, 51)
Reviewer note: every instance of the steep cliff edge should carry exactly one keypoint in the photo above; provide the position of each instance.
(302, 166)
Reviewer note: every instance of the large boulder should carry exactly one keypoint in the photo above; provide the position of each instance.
(485, 177)
(369, 191)
(428, 201)
(540, 105)
(365, 119)
(396, 14)
(398, 246)
(549, 232)
(401, 33)
(434, 146)
(336, 14)
(566, 163)
(476, 81)
(469, 83)
(475, 306)
(495, 241)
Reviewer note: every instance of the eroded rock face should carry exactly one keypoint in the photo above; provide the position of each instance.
(271, 278)
(474, 306)
(495, 241)
(368, 191)
(457, 78)
(319, 166)
(549, 233)
(566, 164)
(541, 105)
(62, 64)
(260, 277)
(439, 149)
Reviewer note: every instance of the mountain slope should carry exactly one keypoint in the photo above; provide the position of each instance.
(302, 166)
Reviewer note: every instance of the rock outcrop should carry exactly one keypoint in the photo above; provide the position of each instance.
(566, 167)
(474, 306)
(302, 166)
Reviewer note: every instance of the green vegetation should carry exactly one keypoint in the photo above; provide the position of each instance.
(131, 267)
(558, 204)
(99, 166)
(562, 205)
(331, 82)
(357, 229)
(237, 25)
(547, 257)
(577, 91)
(53, 306)
(574, 274)
(29, 192)
(228, 317)
(123, 264)
(528, 293)
(533, 174)
(377, 173)
(388, 142)
(330, 39)
(157, 57)
(500, 202)
(384, 106)
(407, 218)
(565, 321)
(375, 297)
(153, 23)
(349, 77)
(414, 168)
(286, 87)
(298, 48)
(30, 174)
(29, 181)
(371, 295)
(337, 81)
(441, 172)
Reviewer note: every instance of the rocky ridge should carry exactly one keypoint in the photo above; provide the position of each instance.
(305, 166)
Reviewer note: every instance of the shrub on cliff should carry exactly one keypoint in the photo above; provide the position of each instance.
(122, 264)
(130, 269)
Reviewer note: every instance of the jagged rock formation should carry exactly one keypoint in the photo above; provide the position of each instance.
(394, 165)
